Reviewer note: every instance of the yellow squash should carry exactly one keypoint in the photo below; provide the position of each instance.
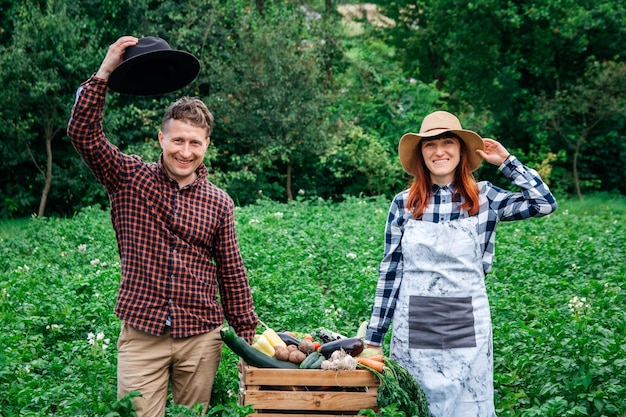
(274, 338)
(263, 345)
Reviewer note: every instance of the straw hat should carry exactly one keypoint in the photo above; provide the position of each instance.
(435, 124)
(152, 67)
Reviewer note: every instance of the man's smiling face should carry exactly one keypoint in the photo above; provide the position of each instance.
(184, 146)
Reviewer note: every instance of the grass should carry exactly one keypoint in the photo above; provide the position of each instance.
(555, 292)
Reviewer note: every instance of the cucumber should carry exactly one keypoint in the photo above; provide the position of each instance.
(318, 362)
(249, 354)
(310, 360)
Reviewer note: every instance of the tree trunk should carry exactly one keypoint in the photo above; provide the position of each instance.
(579, 142)
(47, 176)
(288, 181)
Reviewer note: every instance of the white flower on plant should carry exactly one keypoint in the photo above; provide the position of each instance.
(300, 191)
(95, 262)
(53, 326)
(332, 311)
(63, 254)
(82, 248)
(24, 268)
(252, 221)
(351, 255)
(279, 214)
(98, 339)
(578, 305)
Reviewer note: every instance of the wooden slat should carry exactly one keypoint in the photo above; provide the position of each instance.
(309, 377)
(311, 401)
(300, 413)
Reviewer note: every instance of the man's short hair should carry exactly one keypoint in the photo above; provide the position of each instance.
(191, 110)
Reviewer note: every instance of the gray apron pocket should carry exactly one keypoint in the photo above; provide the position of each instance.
(441, 322)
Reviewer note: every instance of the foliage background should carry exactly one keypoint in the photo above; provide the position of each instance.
(304, 101)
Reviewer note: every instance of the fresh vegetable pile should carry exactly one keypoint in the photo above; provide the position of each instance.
(327, 350)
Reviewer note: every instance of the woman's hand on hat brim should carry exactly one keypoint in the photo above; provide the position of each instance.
(494, 152)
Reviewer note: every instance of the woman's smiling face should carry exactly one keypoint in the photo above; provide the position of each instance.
(184, 146)
(441, 155)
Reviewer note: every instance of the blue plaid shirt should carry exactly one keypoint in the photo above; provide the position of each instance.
(496, 204)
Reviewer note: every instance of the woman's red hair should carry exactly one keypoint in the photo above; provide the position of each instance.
(420, 191)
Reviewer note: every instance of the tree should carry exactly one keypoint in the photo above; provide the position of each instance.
(36, 75)
(502, 58)
(271, 102)
(576, 114)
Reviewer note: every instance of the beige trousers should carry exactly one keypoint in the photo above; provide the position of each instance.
(149, 364)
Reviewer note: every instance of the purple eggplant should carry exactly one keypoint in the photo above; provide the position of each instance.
(288, 339)
(352, 346)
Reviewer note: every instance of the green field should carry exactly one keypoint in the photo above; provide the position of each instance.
(555, 290)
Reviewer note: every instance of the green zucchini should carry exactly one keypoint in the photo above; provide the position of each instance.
(249, 354)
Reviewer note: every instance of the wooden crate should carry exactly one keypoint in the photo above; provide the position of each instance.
(307, 392)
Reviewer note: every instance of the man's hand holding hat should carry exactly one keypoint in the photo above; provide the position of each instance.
(115, 56)
(147, 67)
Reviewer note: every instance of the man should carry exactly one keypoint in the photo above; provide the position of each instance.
(178, 246)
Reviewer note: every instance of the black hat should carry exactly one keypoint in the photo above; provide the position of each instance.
(152, 67)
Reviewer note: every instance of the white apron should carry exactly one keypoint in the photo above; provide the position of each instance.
(442, 323)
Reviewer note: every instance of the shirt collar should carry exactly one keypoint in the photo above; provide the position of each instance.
(442, 188)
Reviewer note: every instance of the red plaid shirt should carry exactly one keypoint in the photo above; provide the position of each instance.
(177, 245)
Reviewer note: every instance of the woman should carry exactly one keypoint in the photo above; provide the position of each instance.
(439, 245)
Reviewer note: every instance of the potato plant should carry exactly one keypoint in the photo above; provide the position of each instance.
(555, 291)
